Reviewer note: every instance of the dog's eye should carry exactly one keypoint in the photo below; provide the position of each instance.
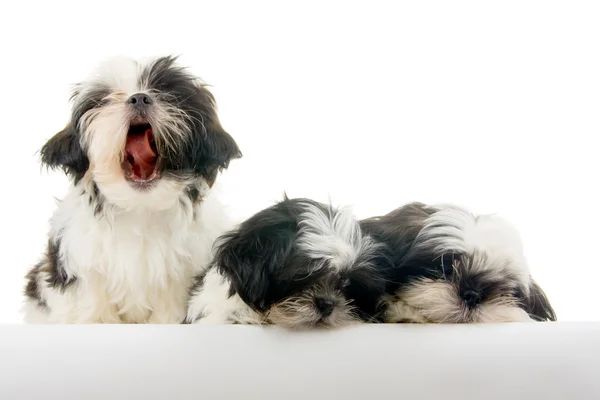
(517, 293)
(447, 265)
(448, 270)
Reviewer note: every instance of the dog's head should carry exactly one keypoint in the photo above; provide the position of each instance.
(454, 267)
(143, 133)
(301, 263)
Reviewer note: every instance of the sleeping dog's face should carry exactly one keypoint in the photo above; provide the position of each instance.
(454, 267)
(302, 264)
(142, 134)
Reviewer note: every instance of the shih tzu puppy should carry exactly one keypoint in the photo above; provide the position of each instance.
(455, 267)
(297, 264)
(143, 149)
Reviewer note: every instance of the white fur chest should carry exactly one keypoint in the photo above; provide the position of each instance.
(131, 266)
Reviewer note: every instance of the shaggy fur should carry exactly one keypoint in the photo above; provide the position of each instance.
(455, 267)
(297, 264)
(136, 225)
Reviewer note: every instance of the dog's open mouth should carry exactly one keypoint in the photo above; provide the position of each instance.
(141, 156)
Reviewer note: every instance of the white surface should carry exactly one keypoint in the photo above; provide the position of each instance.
(509, 362)
(493, 105)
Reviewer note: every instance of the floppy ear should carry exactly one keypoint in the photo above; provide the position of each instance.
(64, 151)
(220, 148)
(211, 150)
(217, 150)
(252, 256)
(537, 304)
(217, 147)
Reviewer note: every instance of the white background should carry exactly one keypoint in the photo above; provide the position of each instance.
(492, 105)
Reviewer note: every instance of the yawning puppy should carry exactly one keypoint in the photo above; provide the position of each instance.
(456, 267)
(298, 264)
(143, 149)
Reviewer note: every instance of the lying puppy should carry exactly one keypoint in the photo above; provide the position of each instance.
(143, 149)
(455, 267)
(297, 264)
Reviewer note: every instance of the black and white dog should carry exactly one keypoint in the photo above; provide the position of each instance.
(143, 149)
(297, 264)
(303, 264)
(455, 267)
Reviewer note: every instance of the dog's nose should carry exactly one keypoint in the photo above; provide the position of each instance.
(325, 306)
(140, 100)
(471, 297)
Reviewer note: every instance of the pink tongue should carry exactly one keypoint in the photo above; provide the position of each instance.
(140, 154)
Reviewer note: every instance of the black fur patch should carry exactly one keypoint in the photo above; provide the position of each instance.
(210, 148)
(537, 304)
(95, 97)
(95, 190)
(96, 200)
(51, 266)
(32, 289)
(193, 193)
(265, 266)
(57, 276)
(398, 230)
(64, 149)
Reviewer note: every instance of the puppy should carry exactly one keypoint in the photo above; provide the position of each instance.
(297, 264)
(142, 149)
(455, 267)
